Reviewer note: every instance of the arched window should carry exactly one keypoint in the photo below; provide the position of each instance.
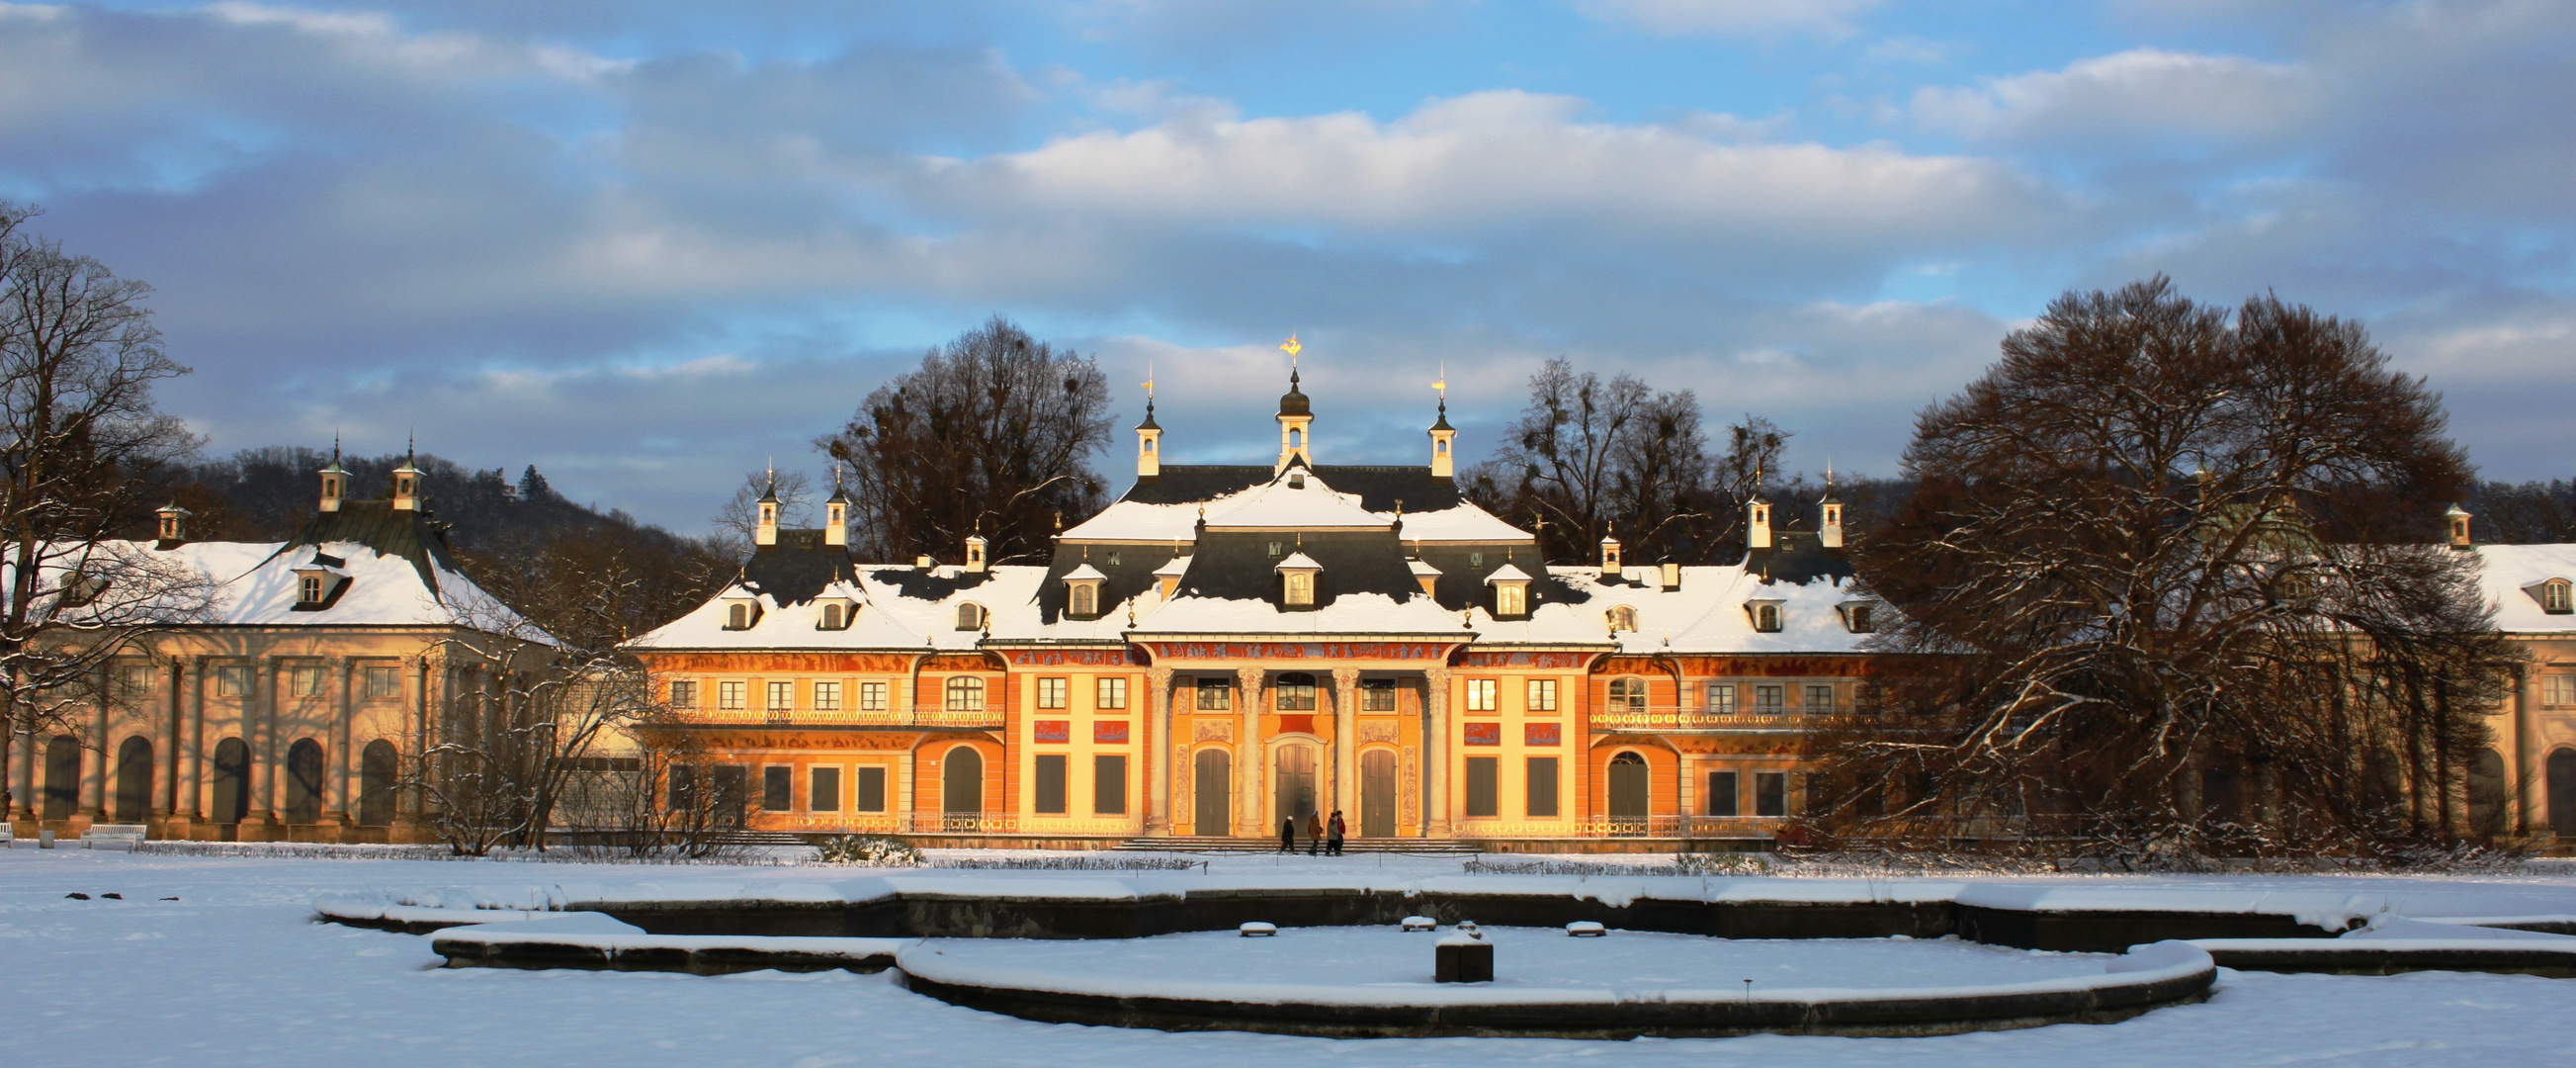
(1301, 588)
(831, 617)
(1294, 692)
(1082, 599)
(738, 617)
(134, 780)
(965, 694)
(1623, 618)
(1627, 695)
(1507, 599)
(311, 592)
(2557, 596)
(1766, 618)
(970, 616)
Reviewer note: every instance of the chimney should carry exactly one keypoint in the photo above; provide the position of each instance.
(2458, 520)
(1672, 576)
(975, 554)
(1610, 566)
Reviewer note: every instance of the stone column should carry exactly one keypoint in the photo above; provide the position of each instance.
(1435, 752)
(167, 804)
(264, 754)
(22, 779)
(99, 767)
(1346, 744)
(1248, 757)
(1158, 753)
(192, 754)
(2529, 790)
(335, 807)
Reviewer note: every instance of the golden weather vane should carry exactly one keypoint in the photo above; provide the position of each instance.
(1292, 348)
(1443, 384)
(1149, 379)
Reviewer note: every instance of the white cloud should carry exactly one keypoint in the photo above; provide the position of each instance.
(2143, 93)
(1675, 18)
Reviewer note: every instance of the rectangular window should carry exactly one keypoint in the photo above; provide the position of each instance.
(1482, 791)
(1111, 692)
(1050, 784)
(1377, 695)
(871, 790)
(233, 680)
(731, 785)
(2558, 689)
(1770, 793)
(1542, 786)
(1721, 699)
(729, 696)
(1480, 695)
(684, 788)
(782, 696)
(304, 681)
(872, 697)
(1052, 692)
(823, 789)
(1820, 700)
(827, 697)
(1721, 800)
(777, 788)
(1216, 695)
(384, 682)
(133, 680)
(1542, 695)
(1770, 700)
(1109, 785)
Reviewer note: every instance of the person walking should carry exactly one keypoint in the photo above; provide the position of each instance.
(1288, 835)
(1314, 832)
(1336, 829)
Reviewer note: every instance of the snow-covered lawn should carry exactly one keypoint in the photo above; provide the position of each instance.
(236, 972)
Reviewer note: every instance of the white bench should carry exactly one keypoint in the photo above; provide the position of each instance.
(126, 835)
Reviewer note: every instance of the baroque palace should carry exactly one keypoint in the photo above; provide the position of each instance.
(1228, 647)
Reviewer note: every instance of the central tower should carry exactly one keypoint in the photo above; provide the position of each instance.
(1294, 415)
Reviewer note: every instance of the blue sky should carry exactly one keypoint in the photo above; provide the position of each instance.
(647, 246)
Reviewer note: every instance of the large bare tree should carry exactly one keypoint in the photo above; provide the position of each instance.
(2169, 573)
(84, 457)
(993, 435)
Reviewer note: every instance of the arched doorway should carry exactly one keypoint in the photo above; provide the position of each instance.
(1295, 784)
(134, 780)
(1212, 779)
(304, 781)
(961, 789)
(376, 784)
(62, 777)
(231, 781)
(2562, 793)
(1377, 793)
(1628, 785)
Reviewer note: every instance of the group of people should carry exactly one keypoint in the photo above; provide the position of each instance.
(1323, 837)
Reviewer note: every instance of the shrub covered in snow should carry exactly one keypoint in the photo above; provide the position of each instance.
(870, 851)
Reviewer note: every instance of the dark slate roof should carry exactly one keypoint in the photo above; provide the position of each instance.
(413, 535)
(1798, 557)
(1133, 574)
(925, 585)
(798, 568)
(1379, 486)
(1237, 565)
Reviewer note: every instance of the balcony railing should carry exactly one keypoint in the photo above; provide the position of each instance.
(1697, 718)
(945, 823)
(1614, 827)
(928, 718)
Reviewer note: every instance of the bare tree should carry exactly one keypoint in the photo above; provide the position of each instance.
(1558, 465)
(993, 435)
(83, 453)
(2158, 555)
(738, 522)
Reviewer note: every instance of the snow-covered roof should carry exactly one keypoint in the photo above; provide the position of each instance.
(258, 583)
(1086, 571)
(2511, 576)
(1299, 562)
(1279, 503)
(1508, 573)
(1296, 499)
(1461, 522)
(1704, 615)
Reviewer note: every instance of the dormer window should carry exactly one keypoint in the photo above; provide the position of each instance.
(1857, 617)
(1085, 600)
(1764, 614)
(838, 613)
(318, 582)
(1082, 594)
(2557, 597)
(1511, 592)
(970, 616)
(309, 590)
(1297, 581)
(1623, 618)
(741, 614)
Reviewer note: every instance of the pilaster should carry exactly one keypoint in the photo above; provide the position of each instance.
(1435, 752)
(1250, 816)
(1158, 753)
(1345, 792)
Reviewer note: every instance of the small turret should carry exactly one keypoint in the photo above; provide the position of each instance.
(975, 554)
(2457, 519)
(1611, 566)
(407, 481)
(766, 533)
(836, 513)
(1149, 439)
(1444, 437)
(335, 480)
(1296, 415)
(1757, 522)
(174, 526)
(1829, 519)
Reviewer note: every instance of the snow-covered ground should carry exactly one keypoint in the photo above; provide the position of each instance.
(235, 971)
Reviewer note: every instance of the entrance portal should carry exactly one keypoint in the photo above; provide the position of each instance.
(1377, 794)
(1296, 784)
(134, 780)
(231, 781)
(961, 790)
(62, 777)
(1212, 776)
(1627, 794)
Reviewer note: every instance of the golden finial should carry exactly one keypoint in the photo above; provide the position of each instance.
(1149, 380)
(1443, 384)
(1292, 348)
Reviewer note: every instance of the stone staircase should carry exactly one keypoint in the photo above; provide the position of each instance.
(1221, 844)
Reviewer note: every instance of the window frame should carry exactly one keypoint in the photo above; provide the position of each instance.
(1825, 690)
(1771, 794)
(1483, 695)
(823, 788)
(1287, 694)
(392, 677)
(962, 693)
(1720, 700)
(874, 695)
(1215, 694)
(778, 696)
(1109, 783)
(1539, 695)
(1627, 693)
(733, 696)
(827, 695)
(1109, 692)
(1047, 785)
(1370, 699)
(684, 694)
(1531, 793)
(1482, 786)
(1733, 793)
(1054, 692)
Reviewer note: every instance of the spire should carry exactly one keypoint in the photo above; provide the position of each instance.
(407, 477)
(1443, 436)
(1149, 436)
(1295, 415)
(335, 478)
(836, 511)
(765, 530)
